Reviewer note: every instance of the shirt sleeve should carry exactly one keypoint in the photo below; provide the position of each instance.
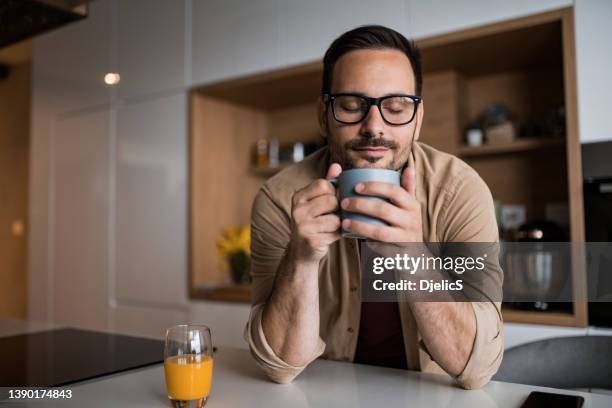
(270, 235)
(469, 216)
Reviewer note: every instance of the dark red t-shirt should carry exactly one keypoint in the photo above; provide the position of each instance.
(380, 340)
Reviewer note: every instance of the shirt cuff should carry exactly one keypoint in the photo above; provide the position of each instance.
(273, 366)
(488, 348)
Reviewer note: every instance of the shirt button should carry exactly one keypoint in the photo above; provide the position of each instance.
(350, 330)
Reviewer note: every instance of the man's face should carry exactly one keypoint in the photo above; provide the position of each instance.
(371, 142)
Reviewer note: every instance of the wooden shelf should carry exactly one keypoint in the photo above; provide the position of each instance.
(535, 317)
(520, 145)
(231, 293)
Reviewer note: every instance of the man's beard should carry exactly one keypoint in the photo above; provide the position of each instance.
(341, 154)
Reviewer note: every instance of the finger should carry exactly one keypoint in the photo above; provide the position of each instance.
(409, 181)
(378, 209)
(393, 192)
(324, 224)
(331, 237)
(317, 188)
(370, 231)
(321, 205)
(334, 171)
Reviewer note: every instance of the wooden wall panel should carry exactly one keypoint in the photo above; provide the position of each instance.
(295, 123)
(14, 163)
(222, 187)
(444, 116)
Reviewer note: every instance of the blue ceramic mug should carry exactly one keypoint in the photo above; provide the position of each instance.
(346, 183)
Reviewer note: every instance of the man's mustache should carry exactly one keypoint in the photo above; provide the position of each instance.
(370, 142)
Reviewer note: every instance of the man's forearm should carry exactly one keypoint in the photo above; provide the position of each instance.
(448, 330)
(290, 318)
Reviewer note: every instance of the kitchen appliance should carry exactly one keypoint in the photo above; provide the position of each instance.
(597, 188)
(60, 357)
(536, 271)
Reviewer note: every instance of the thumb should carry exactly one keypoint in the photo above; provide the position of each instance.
(334, 171)
(409, 180)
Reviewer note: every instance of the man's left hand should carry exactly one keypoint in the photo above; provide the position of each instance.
(402, 213)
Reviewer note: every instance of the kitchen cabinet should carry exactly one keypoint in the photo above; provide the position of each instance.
(434, 17)
(594, 59)
(80, 220)
(150, 234)
(138, 320)
(226, 321)
(310, 26)
(73, 60)
(151, 48)
(232, 38)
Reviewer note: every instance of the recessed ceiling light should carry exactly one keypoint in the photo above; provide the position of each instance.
(112, 78)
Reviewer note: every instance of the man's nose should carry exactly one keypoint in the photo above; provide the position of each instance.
(373, 123)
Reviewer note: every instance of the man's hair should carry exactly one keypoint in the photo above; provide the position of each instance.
(370, 37)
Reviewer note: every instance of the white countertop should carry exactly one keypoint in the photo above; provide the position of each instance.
(238, 382)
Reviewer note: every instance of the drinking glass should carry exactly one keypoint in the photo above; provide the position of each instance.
(188, 365)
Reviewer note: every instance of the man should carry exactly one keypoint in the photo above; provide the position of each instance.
(307, 295)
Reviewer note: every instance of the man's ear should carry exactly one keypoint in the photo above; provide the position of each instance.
(419, 118)
(322, 117)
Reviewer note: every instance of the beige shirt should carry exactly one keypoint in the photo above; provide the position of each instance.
(456, 206)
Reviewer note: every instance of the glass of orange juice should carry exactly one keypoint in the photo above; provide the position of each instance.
(188, 365)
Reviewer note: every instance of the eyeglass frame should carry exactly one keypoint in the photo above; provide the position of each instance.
(328, 98)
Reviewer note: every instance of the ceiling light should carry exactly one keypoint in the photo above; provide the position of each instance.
(112, 78)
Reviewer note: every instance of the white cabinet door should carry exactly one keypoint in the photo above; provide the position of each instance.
(145, 321)
(151, 197)
(150, 46)
(594, 63)
(234, 37)
(432, 17)
(311, 26)
(226, 321)
(80, 204)
(72, 60)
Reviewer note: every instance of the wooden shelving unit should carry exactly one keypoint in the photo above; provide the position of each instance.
(520, 145)
(535, 317)
(471, 69)
(528, 64)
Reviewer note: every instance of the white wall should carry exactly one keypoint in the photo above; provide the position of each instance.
(108, 199)
(594, 62)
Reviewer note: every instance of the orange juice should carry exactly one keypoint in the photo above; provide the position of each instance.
(188, 377)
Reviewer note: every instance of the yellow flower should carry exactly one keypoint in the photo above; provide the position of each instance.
(234, 239)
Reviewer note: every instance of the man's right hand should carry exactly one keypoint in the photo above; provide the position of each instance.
(315, 224)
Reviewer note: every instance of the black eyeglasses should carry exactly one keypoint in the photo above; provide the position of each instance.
(350, 108)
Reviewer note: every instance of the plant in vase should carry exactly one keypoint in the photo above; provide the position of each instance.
(234, 247)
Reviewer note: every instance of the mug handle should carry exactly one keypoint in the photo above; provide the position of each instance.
(334, 182)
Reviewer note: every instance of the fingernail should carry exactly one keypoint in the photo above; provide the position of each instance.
(359, 187)
(344, 203)
(346, 223)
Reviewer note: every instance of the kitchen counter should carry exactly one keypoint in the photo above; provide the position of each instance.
(238, 382)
